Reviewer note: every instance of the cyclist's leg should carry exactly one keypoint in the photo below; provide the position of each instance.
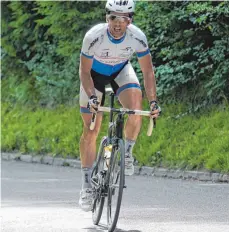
(127, 88)
(87, 149)
(132, 99)
(88, 138)
(130, 96)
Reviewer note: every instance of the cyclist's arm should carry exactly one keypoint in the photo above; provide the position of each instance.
(86, 60)
(149, 78)
(85, 75)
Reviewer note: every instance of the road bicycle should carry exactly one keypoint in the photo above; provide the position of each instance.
(108, 174)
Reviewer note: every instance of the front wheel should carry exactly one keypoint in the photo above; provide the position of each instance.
(98, 180)
(116, 184)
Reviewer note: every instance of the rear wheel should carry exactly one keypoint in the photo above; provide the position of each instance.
(98, 175)
(116, 185)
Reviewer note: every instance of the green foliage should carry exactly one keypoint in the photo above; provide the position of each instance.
(186, 141)
(189, 43)
(41, 131)
(46, 39)
(188, 40)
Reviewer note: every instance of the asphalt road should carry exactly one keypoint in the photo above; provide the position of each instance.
(42, 198)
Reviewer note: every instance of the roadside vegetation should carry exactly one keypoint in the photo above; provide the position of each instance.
(189, 43)
(192, 142)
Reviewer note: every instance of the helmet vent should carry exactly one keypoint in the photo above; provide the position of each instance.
(122, 3)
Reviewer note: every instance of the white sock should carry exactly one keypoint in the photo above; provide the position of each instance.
(86, 177)
(129, 144)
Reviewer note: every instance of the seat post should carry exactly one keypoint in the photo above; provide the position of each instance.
(111, 105)
(112, 100)
(109, 91)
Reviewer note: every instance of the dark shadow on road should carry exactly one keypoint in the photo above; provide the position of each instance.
(99, 228)
(103, 228)
(120, 230)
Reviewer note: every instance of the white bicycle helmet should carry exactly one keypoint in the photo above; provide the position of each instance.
(120, 6)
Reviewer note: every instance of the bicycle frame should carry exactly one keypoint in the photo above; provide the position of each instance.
(115, 130)
(118, 124)
(115, 127)
(102, 181)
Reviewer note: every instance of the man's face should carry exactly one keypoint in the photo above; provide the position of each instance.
(118, 23)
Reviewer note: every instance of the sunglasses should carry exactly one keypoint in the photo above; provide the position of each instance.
(119, 18)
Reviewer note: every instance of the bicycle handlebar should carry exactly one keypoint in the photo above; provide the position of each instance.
(152, 122)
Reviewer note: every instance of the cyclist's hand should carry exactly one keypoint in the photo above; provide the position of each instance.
(155, 109)
(93, 104)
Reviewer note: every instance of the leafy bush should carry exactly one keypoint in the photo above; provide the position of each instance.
(45, 39)
(42, 40)
(189, 43)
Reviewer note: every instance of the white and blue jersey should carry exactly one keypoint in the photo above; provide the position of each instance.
(109, 55)
(111, 59)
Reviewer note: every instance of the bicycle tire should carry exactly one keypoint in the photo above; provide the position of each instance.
(98, 202)
(112, 217)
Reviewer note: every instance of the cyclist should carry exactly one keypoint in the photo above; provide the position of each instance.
(104, 60)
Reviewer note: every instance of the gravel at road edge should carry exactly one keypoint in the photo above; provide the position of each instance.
(143, 171)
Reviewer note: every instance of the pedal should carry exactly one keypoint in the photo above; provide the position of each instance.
(124, 186)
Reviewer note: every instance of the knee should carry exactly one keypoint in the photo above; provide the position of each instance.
(135, 104)
(135, 119)
(90, 135)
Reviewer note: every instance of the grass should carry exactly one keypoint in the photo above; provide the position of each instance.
(193, 142)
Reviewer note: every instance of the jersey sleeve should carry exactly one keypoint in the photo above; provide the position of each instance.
(142, 48)
(88, 47)
(92, 39)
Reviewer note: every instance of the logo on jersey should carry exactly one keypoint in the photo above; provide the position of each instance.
(93, 43)
(101, 39)
(127, 52)
(106, 54)
(127, 48)
(141, 42)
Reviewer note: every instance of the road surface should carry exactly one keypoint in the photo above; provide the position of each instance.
(42, 198)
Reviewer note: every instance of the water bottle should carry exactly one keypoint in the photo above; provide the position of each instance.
(107, 156)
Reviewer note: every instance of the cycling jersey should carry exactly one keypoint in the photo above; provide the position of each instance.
(111, 60)
(110, 55)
